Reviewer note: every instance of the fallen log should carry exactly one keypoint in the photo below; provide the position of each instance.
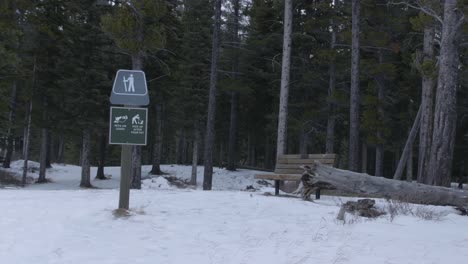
(379, 187)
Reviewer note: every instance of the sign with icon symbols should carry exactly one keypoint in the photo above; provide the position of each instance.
(128, 126)
(129, 88)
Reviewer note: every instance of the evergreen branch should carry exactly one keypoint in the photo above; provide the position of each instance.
(421, 7)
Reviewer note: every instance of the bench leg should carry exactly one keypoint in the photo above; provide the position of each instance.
(277, 184)
(317, 194)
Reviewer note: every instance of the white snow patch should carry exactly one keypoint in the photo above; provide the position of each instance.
(60, 223)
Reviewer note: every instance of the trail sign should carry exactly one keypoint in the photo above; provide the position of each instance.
(129, 88)
(128, 126)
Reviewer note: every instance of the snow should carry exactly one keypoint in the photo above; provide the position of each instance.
(60, 223)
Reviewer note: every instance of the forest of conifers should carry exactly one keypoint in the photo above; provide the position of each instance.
(359, 73)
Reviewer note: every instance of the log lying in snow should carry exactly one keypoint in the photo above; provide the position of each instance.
(361, 183)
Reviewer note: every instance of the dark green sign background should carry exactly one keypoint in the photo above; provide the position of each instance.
(127, 126)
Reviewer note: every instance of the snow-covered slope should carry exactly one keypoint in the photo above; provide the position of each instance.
(59, 223)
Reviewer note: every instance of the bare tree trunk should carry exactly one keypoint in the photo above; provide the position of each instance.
(364, 184)
(156, 169)
(27, 132)
(427, 104)
(285, 72)
(210, 128)
(196, 143)
(354, 96)
(445, 117)
(268, 162)
(364, 157)
(137, 64)
(250, 149)
(85, 164)
(43, 152)
(49, 150)
(181, 146)
(61, 148)
(379, 150)
(408, 144)
(11, 124)
(331, 90)
(232, 152)
(102, 156)
(409, 165)
(379, 156)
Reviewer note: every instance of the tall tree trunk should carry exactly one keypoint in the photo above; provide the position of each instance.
(85, 163)
(196, 143)
(427, 104)
(181, 146)
(268, 162)
(379, 150)
(102, 156)
(285, 72)
(232, 152)
(61, 148)
(354, 96)
(331, 90)
(445, 116)
(409, 165)
(27, 132)
(49, 150)
(11, 124)
(364, 157)
(210, 124)
(156, 169)
(409, 142)
(137, 64)
(43, 152)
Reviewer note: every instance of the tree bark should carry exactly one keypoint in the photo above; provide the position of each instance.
(43, 151)
(156, 169)
(49, 150)
(181, 147)
(364, 157)
(330, 140)
(85, 163)
(61, 148)
(285, 71)
(379, 150)
(409, 142)
(196, 143)
(445, 117)
(409, 165)
(11, 124)
(27, 133)
(102, 156)
(210, 133)
(427, 104)
(137, 64)
(364, 184)
(232, 151)
(354, 95)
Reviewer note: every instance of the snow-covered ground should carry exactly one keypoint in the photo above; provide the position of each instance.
(60, 223)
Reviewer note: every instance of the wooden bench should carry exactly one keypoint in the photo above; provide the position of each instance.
(288, 168)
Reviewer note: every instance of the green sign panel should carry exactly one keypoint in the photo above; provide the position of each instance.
(128, 126)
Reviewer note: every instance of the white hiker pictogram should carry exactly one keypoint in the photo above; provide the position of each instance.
(131, 83)
(136, 120)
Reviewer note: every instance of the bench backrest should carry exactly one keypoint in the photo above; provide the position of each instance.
(289, 164)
